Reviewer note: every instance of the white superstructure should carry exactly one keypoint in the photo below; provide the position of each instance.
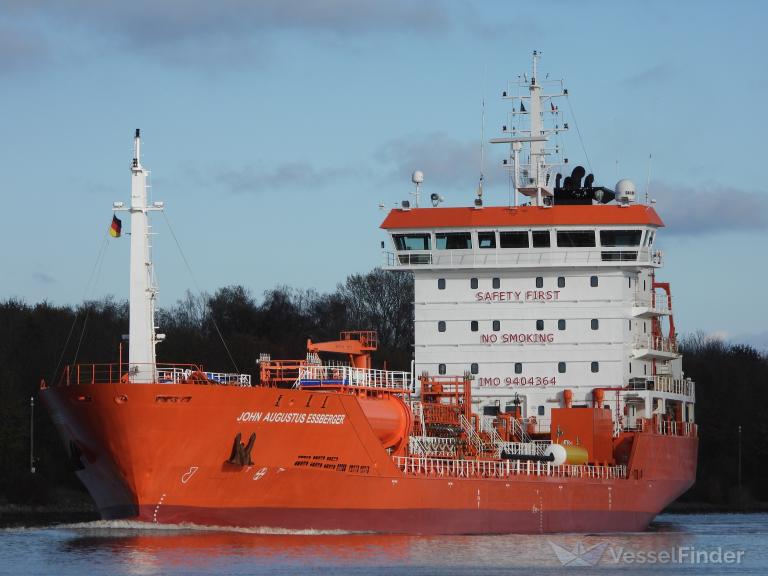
(547, 302)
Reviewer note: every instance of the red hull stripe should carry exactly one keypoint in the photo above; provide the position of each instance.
(423, 521)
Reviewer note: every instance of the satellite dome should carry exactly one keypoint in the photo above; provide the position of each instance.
(625, 190)
(417, 177)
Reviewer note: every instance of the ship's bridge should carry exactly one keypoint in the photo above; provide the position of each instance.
(525, 237)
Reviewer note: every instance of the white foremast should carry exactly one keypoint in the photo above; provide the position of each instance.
(143, 292)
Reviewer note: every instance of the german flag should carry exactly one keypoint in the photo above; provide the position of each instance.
(116, 227)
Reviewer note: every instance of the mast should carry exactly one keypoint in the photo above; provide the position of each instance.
(143, 292)
(537, 146)
(532, 176)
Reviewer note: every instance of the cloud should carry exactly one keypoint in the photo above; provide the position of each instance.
(43, 278)
(652, 75)
(251, 179)
(698, 211)
(21, 48)
(447, 163)
(229, 30)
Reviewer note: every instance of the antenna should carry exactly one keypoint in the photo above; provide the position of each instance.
(417, 178)
(648, 178)
(482, 149)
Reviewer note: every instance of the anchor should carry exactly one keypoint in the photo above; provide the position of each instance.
(241, 453)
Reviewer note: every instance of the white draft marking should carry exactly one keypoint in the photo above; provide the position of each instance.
(188, 474)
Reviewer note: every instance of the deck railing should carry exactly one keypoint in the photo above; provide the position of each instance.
(338, 375)
(668, 427)
(501, 257)
(449, 468)
(664, 383)
(658, 343)
(658, 302)
(78, 374)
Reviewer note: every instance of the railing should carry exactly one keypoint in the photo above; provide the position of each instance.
(164, 374)
(660, 383)
(354, 377)
(658, 343)
(519, 430)
(448, 468)
(658, 303)
(417, 409)
(472, 435)
(432, 446)
(500, 257)
(533, 448)
(668, 427)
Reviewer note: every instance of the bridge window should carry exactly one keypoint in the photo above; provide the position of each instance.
(496, 325)
(561, 324)
(441, 368)
(473, 283)
(496, 283)
(539, 324)
(540, 238)
(486, 239)
(513, 239)
(594, 324)
(473, 325)
(441, 283)
(593, 281)
(561, 367)
(650, 238)
(474, 368)
(441, 326)
(576, 238)
(620, 237)
(595, 367)
(453, 240)
(518, 367)
(561, 281)
(411, 241)
(539, 282)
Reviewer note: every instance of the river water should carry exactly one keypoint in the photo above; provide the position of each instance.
(684, 544)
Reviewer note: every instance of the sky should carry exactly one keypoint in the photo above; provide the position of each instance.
(274, 130)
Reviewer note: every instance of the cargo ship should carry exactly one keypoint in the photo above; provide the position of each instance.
(546, 392)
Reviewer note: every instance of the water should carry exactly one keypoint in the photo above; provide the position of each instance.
(700, 543)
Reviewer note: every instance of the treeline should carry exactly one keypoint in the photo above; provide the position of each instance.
(731, 393)
(223, 332)
(37, 341)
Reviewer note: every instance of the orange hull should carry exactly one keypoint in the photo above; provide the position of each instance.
(158, 452)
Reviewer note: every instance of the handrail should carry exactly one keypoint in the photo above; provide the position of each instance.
(111, 373)
(340, 375)
(658, 343)
(665, 383)
(663, 427)
(495, 257)
(472, 435)
(501, 469)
